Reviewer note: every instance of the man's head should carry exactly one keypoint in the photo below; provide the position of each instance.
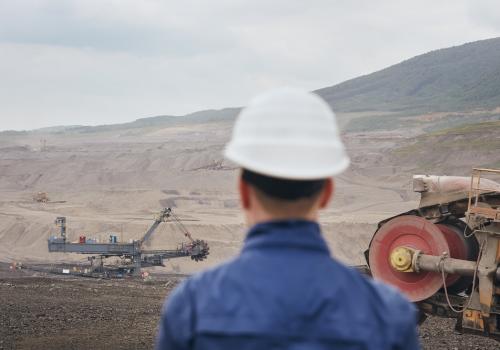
(265, 198)
(288, 146)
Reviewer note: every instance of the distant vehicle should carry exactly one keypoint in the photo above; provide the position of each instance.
(41, 197)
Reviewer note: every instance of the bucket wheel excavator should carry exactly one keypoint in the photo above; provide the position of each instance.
(197, 249)
(132, 253)
(445, 255)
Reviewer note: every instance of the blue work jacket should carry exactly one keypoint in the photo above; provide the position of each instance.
(284, 291)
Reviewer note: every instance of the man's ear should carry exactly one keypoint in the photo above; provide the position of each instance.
(244, 190)
(327, 193)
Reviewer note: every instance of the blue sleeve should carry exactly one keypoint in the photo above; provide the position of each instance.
(409, 339)
(175, 331)
(409, 334)
(402, 317)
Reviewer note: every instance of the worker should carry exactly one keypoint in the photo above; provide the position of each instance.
(284, 290)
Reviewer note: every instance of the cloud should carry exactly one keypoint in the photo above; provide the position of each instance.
(485, 13)
(107, 61)
(128, 26)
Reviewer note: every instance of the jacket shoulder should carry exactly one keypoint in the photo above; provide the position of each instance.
(387, 305)
(392, 299)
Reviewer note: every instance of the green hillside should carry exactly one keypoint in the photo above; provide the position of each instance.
(207, 116)
(456, 78)
(452, 150)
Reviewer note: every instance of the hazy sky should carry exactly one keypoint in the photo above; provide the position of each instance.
(108, 61)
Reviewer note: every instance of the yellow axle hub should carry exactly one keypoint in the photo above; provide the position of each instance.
(401, 259)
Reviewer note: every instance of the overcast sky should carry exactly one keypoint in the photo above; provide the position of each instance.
(108, 61)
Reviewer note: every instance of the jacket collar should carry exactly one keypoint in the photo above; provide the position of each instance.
(284, 234)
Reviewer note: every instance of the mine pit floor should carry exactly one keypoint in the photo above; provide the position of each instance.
(46, 311)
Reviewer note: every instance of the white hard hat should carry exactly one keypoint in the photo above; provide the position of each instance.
(288, 133)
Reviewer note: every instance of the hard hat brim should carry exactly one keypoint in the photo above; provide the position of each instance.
(293, 162)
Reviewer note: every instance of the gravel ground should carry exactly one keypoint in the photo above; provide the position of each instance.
(60, 312)
(438, 334)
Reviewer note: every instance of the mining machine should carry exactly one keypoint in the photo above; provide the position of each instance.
(41, 197)
(132, 252)
(445, 254)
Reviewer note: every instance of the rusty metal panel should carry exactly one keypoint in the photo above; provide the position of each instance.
(472, 319)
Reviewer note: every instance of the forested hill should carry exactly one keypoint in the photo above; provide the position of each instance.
(456, 78)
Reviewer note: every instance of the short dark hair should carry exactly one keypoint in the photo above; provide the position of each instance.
(283, 188)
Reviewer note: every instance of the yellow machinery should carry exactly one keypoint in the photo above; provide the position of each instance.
(41, 197)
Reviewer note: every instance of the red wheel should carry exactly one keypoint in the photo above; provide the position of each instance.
(460, 248)
(456, 244)
(412, 232)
